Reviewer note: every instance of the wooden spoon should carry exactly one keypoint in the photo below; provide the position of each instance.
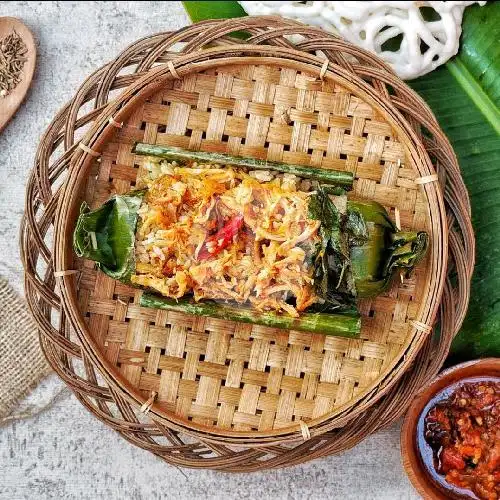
(12, 101)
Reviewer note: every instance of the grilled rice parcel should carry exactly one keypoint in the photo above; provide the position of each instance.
(248, 240)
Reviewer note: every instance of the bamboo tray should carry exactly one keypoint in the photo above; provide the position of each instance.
(276, 394)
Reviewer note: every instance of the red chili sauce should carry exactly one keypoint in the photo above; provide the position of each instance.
(463, 431)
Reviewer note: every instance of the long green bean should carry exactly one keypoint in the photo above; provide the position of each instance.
(333, 177)
(343, 325)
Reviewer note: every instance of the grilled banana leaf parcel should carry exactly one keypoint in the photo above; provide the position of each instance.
(222, 236)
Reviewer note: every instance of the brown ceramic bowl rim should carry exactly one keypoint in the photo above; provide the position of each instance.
(416, 470)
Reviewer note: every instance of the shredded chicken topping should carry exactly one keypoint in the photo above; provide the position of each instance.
(227, 235)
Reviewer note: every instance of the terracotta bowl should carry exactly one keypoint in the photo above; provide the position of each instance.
(426, 481)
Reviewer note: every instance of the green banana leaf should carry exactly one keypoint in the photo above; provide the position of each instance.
(465, 97)
(107, 235)
(464, 94)
(372, 271)
(200, 11)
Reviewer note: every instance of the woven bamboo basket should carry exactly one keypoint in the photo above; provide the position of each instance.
(251, 397)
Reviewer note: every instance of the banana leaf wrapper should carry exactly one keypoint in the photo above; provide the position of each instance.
(386, 253)
(360, 252)
(107, 236)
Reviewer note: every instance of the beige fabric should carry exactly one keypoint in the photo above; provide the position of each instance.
(22, 363)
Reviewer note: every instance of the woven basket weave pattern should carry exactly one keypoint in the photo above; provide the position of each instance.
(247, 110)
(255, 378)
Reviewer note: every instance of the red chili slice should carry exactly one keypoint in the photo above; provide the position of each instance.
(451, 459)
(222, 238)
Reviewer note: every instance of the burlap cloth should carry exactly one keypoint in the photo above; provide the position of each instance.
(22, 363)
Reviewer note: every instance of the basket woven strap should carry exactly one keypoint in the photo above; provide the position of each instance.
(69, 272)
(146, 407)
(173, 71)
(113, 122)
(60, 274)
(88, 150)
(304, 429)
(426, 179)
(324, 69)
(422, 327)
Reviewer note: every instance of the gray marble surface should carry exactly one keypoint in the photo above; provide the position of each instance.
(65, 452)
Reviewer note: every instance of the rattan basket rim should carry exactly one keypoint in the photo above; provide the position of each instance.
(64, 352)
(95, 138)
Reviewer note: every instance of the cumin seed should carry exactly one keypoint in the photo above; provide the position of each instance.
(12, 58)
